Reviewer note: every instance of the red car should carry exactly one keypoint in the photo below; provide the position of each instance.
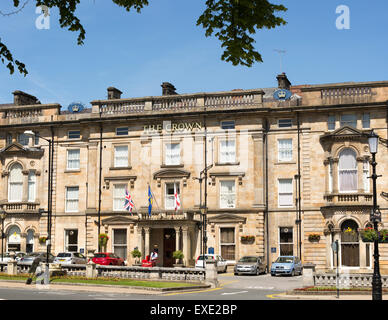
(107, 259)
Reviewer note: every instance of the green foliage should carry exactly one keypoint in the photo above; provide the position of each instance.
(136, 253)
(178, 255)
(231, 21)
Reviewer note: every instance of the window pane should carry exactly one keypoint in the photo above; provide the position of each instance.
(347, 170)
(172, 154)
(73, 159)
(122, 131)
(227, 235)
(170, 195)
(227, 125)
(285, 123)
(74, 134)
(227, 194)
(15, 191)
(120, 236)
(285, 149)
(227, 151)
(331, 123)
(23, 139)
(119, 197)
(366, 120)
(31, 186)
(285, 192)
(121, 156)
(72, 199)
(349, 120)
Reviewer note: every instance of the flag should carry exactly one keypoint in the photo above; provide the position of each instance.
(149, 200)
(129, 204)
(177, 203)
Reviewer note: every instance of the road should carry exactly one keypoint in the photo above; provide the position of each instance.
(262, 287)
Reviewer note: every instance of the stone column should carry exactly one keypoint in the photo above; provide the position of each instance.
(147, 241)
(308, 274)
(140, 241)
(258, 170)
(177, 238)
(335, 175)
(186, 246)
(92, 175)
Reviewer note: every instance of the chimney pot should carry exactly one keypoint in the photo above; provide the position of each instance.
(114, 93)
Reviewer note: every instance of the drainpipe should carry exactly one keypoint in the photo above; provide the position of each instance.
(99, 188)
(299, 202)
(266, 215)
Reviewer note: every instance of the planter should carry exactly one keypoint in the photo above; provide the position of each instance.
(314, 237)
(247, 239)
(370, 235)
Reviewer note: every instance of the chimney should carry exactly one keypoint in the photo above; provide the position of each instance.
(114, 93)
(283, 82)
(168, 89)
(21, 98)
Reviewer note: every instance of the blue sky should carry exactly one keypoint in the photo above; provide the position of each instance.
(137, 52)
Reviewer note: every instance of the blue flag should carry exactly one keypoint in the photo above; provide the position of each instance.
(149, 200)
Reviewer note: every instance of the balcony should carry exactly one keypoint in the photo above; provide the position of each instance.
(21, 207)
(348, 199)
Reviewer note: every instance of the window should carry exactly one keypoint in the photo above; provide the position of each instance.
(31, 186)
(119, 197)
(286, 242)
(331, 123)
(71, 240)
(366, 176)
(347, 170)
(30, 241)
(121, 156)
(123, 131)
(284, 149)
(36, 139)
(366, 121)
(72, 199)
(227, 151)
(228, 245)
(285, 193)
(227, 194)
(15, 187)
(349, 120)
(285, 123)
(74, 134)
(73, 159)
(173, 154)
(14, 239)
(120, 243)
(23, 139)
(9, 138)
(228, 125)
(171, 188)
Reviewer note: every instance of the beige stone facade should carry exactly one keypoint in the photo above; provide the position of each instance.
(263, 153)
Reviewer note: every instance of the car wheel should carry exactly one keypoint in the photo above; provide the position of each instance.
(293, 273)
(236, 274)
(301, 271)
(226, 268)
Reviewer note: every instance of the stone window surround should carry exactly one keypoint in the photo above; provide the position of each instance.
(173, 140)
(231, 135)
(117, 144)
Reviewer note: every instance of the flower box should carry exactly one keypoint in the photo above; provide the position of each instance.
(42, 240)
(370, 235)
(247, 239)
(314, 237)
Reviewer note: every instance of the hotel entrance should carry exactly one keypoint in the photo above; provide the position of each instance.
(169, 246)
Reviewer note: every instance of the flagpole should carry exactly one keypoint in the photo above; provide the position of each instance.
(153, 196)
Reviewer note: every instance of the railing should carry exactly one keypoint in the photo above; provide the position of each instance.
(23, 113)
(122, 107)
(229, 100)
(174, 103)
(21, 206)
(356, 198)
(347, 280)
(336, 93)
(77, 270)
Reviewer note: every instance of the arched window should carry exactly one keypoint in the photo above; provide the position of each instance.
(15, 183)
(13, 242)
(347, 171)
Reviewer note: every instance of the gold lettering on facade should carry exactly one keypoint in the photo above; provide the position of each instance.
(172, 127)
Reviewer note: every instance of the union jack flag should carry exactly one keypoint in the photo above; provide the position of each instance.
(129, 204)
(177, 204)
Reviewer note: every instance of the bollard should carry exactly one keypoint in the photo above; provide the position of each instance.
(308, 274)
(211, 273)
(91, 271)
(12, 268)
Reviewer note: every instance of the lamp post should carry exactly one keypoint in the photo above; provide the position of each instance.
(3, 215)
(373, 141)
(49, 194)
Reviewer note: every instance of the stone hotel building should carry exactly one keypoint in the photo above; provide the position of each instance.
(278, 171)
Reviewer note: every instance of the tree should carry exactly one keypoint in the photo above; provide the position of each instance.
(231, 21)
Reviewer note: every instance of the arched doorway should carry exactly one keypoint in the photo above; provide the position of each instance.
(13, 243)
(350, 246)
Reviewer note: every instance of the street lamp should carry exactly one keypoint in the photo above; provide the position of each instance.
(3, 215)
(49, 193)
(373, 141)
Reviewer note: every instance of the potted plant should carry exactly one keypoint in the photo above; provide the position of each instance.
(247, 239)
(383, 236)
(42, 240)
(103, 240)
(369, 234)
(314, 237)
(136, 254)
(178, 256)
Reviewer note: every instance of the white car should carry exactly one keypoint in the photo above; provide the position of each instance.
(222, 264)
(7, 256)
(70, 258)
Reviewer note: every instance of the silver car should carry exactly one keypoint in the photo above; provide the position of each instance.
(29, 258)
(70, 258)
(250, 265)
(17, 256)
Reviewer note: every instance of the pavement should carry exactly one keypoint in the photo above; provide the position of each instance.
(342, 296)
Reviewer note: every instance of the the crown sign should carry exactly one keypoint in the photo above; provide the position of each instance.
(282, 94)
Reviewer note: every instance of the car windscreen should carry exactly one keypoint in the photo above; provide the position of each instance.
(206, 257)
(100, 255)
(248, 259)
(284, 260)
(64, 255)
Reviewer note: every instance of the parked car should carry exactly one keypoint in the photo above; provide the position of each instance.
(288, 265)
(7, 256)
(250, 265)
(70, 258)
(30, 257)
(221, 262)
(107, 258)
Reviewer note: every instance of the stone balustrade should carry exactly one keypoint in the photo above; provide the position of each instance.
(349, 198)
(347, 280)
